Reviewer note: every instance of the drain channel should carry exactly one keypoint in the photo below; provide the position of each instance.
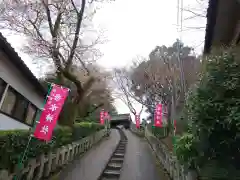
(113, 168)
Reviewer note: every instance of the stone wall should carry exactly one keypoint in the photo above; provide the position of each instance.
(167, 159)
(44, 165)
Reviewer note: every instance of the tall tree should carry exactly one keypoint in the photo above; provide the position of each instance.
(158, 78)
(98, 96)
(58, 33)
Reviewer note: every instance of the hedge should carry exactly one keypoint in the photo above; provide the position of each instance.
(159, 132)
(14, 142)
(83, 129)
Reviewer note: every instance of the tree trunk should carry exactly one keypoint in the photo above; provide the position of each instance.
(59, 79)
(76, 103)
(70, 111)
(74, 110)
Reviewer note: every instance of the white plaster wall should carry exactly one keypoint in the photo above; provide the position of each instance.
(7, 123)
(14, 77)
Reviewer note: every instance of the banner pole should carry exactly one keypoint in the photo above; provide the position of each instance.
(21, 160)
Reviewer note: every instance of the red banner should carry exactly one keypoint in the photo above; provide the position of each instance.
(175, 126)
(137, 119)
(50, 113)
(158, 115)
(102, 114)
(107, 116)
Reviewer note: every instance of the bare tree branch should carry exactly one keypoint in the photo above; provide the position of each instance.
(48, 16)
(203, 15)
(76, 38)
(57, 32)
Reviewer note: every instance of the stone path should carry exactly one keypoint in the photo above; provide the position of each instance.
(140, 163)
(90, 166)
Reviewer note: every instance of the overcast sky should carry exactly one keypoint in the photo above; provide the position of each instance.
(135, 27)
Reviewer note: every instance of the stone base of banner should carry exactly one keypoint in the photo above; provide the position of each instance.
(45, 166)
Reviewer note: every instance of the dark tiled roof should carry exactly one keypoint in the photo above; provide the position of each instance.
(211, 21)
(18, 62)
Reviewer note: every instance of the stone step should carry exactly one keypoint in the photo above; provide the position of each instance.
(121, 147)
(120, 152)
(114, 166)
(111, 174)
(118, 155)
(109, 178)
(116, 160)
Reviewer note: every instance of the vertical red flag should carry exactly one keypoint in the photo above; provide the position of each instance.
(102, 117)
(158, 116)
(50, 113)
(175, 127)
(106, 114)
(137, 119)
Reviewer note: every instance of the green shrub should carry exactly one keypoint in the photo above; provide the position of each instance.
(185, 150)
(14, 142)
(213, 113)
(159, 132)
(83, 129)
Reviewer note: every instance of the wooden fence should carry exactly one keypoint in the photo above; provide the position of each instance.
(167, 159)
(44, 165)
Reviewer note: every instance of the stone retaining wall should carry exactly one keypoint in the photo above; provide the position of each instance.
(44, 165)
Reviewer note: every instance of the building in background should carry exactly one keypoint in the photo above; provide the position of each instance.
(21, 94)
(121, 119)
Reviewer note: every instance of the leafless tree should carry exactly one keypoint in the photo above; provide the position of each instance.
(57, 31)
(197, 11)
(158, 79)
(123, 90)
